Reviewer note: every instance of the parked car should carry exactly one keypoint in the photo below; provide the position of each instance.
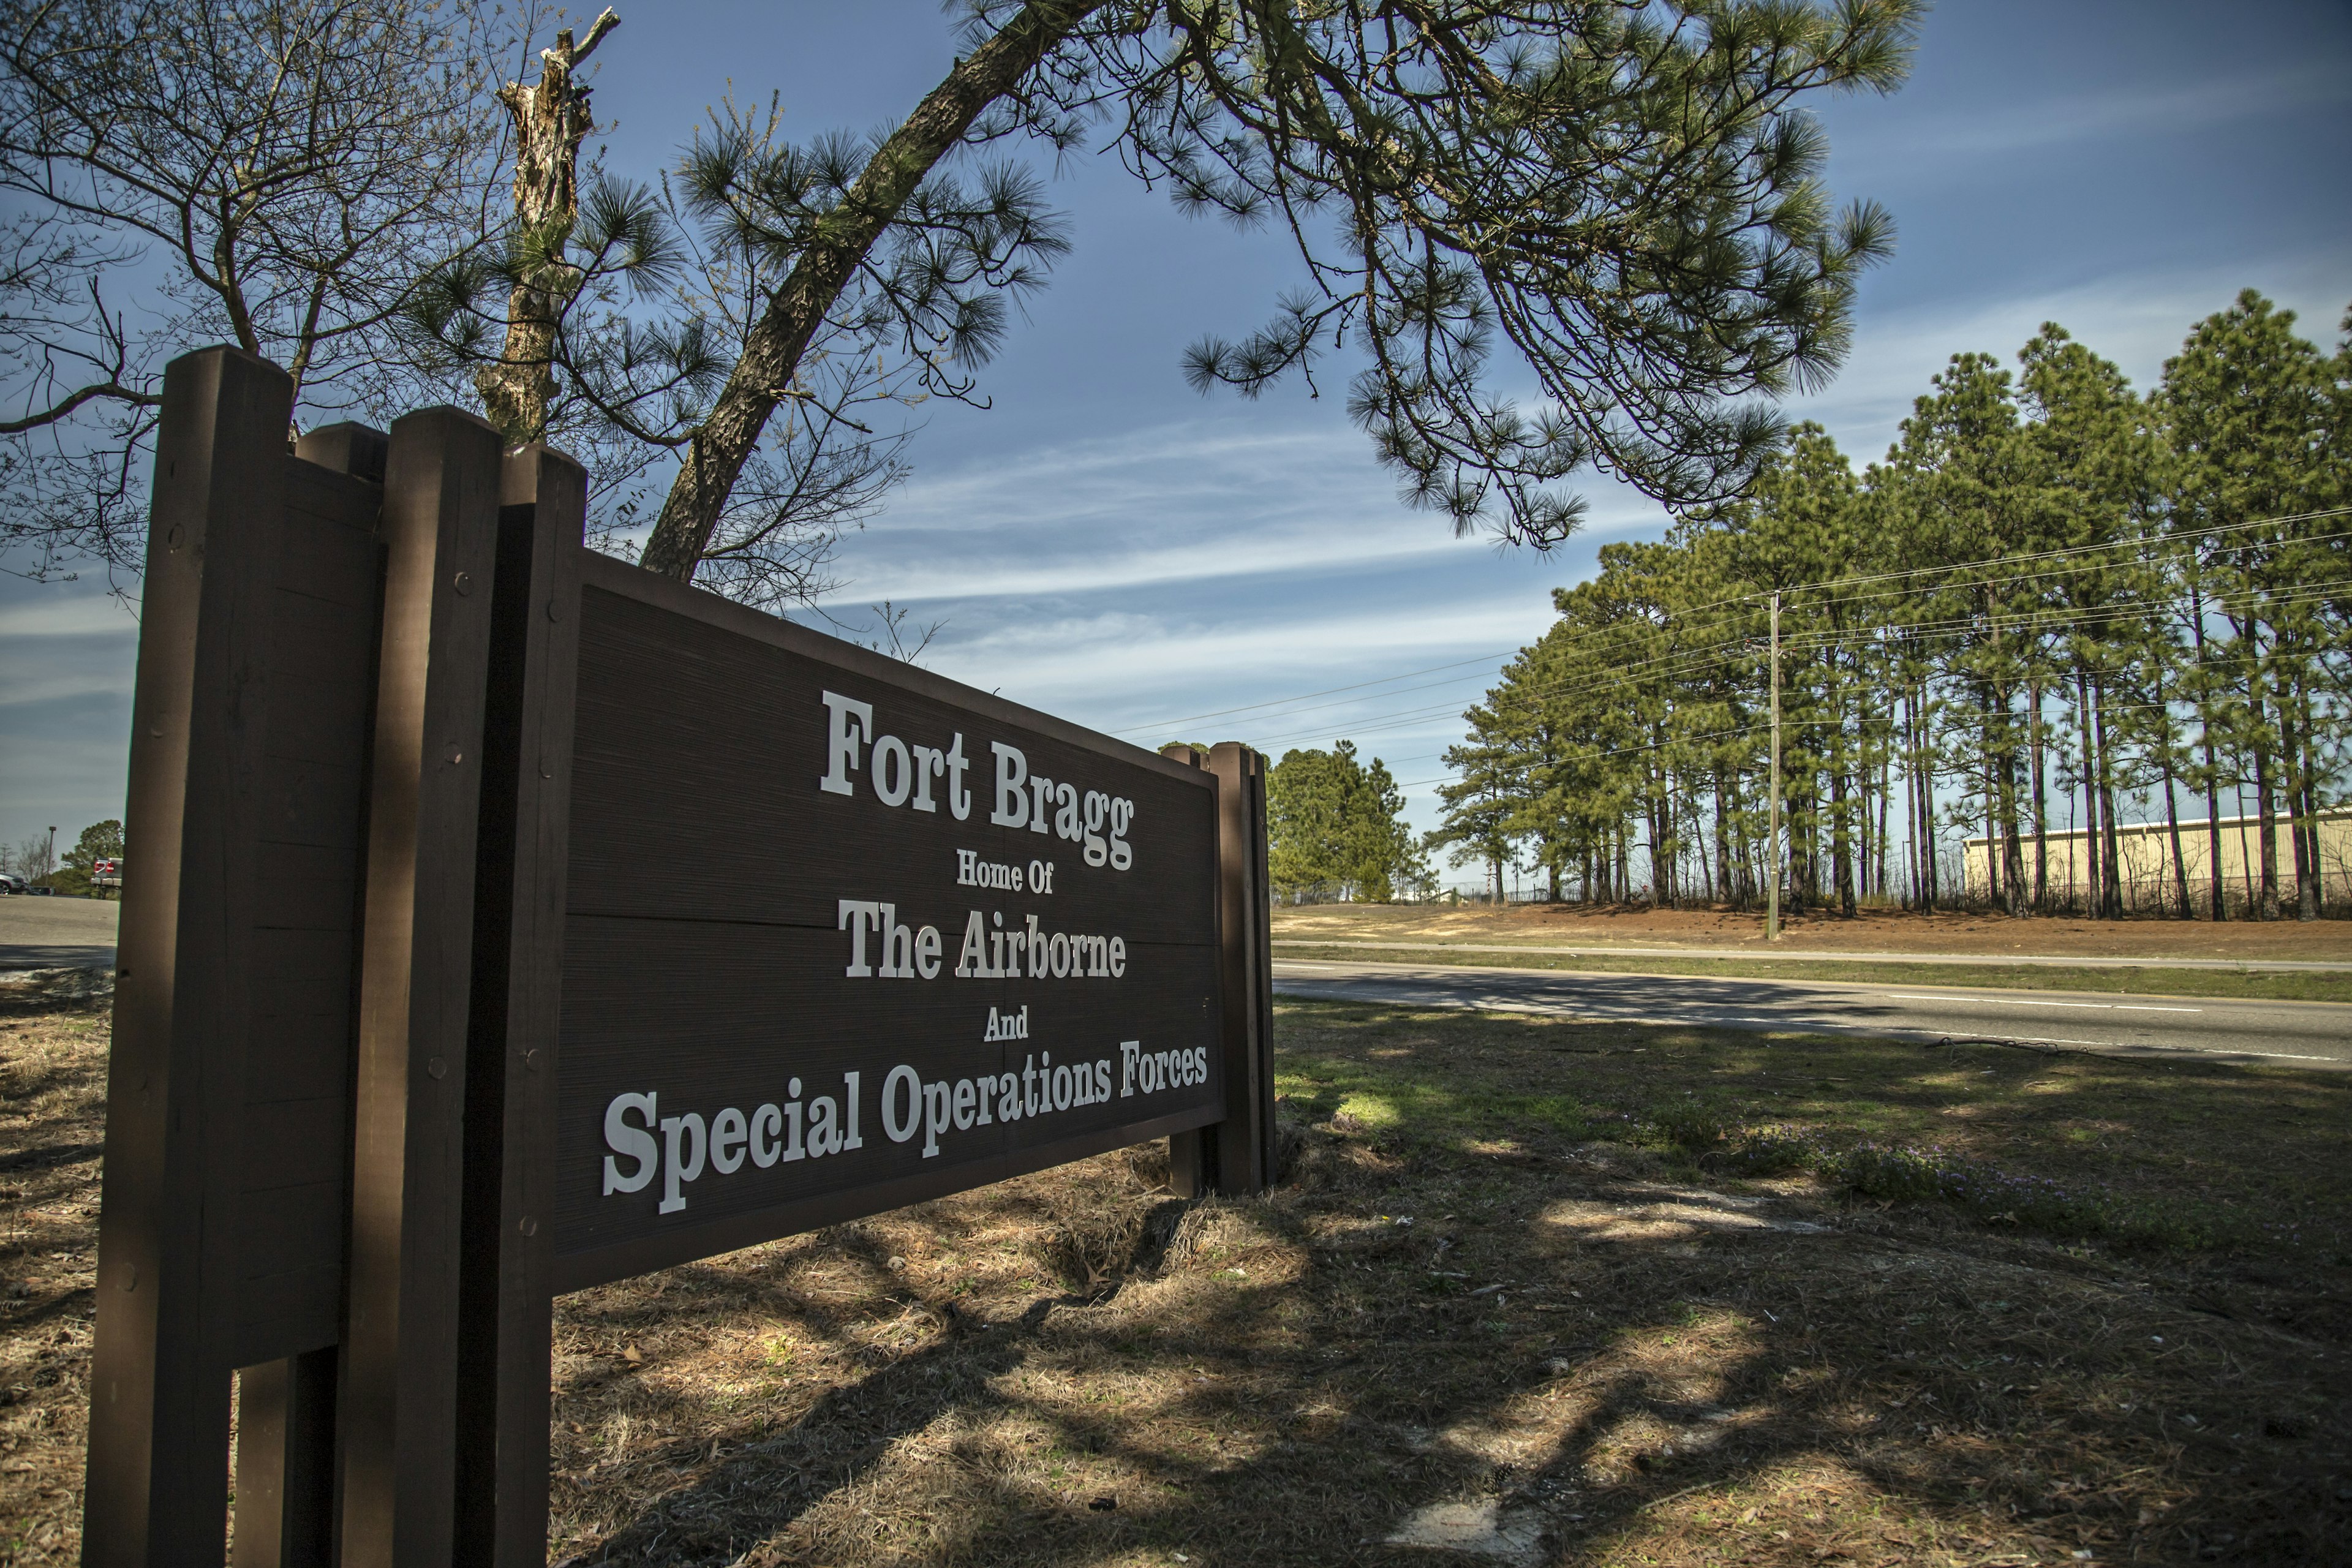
(12, 883)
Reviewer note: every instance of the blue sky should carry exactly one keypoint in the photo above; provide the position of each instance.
(1106, 544)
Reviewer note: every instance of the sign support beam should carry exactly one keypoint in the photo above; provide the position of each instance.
(505, 1295)
(399, 1388)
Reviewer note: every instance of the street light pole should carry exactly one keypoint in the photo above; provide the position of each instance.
(1772, 885)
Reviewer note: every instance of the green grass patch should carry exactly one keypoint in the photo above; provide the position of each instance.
(2248, 984)
(2142, 1153)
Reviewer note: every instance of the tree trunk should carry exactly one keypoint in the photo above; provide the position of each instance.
(2041, 801)
(1932, 879)
(2212, 778)
(2090, 793)
(2112, 857)
(2011, 843)
(772, 351)
(2265, 813)
(549, 120)
(1722, 889)
(2246, 857)
(2291, 765)
(2213, 831)
(2312, 900)
(1841, 824)
(1992, 834)
(2171, 805)
(1886, 788)
(2303, 830)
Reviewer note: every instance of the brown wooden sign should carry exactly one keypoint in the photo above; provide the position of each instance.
(636, 927)
(843, 935)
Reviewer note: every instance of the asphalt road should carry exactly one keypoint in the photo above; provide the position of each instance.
(2307, 1033)
(1752, 953)
(74, 933)
(57, 933)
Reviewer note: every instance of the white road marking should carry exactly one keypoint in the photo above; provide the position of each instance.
(2036, 1001)
(1503, 1001)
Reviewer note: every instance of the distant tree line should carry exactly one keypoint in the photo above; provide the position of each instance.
(36, 859)
(2054, 598)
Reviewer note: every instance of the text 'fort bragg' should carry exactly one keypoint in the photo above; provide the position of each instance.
(644, 1145)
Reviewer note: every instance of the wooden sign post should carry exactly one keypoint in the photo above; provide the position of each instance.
(512, 920)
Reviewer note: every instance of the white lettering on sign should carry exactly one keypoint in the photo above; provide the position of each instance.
(689, 1145)
(848, 723)
(972, 871)
(630, 1142)
(997, 954)
(1149, 1072)
(884, 947)
(901, 773)
(906, 953)
(910, 1106)
(1046, 805)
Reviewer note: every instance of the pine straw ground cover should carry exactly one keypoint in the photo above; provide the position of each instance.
(1596, 1341)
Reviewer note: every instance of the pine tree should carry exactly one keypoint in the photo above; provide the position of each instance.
(1624, 200)
(1335, 826)
(2253, 416)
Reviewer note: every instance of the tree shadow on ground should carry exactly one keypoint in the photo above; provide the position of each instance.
(1612, 1355)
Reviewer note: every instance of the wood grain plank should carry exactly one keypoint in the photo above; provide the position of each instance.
(398, 1389)
(157, 1489)
(1244, 1143)
(507, 1301)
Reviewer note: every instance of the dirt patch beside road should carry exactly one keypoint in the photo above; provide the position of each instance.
(1872, 931)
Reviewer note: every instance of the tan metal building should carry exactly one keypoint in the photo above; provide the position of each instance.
(2145, 855)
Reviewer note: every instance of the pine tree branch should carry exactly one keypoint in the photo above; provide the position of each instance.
(836, 244)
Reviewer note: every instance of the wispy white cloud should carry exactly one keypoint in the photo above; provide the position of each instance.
(1160, 507)
(1152, 507)
(61, 649)
(53, 683)
(1124, 669)
(87, 615)
(2137, 320)
(2159, 108)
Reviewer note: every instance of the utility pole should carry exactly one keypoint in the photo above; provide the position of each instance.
(1773, 883)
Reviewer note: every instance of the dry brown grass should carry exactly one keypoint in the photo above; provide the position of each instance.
(1628, 1359)
(52, 1121)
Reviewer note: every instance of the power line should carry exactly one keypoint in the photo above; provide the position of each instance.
(1284, 701)
(2135, 541)
(1682, 660)
(1686, 660)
